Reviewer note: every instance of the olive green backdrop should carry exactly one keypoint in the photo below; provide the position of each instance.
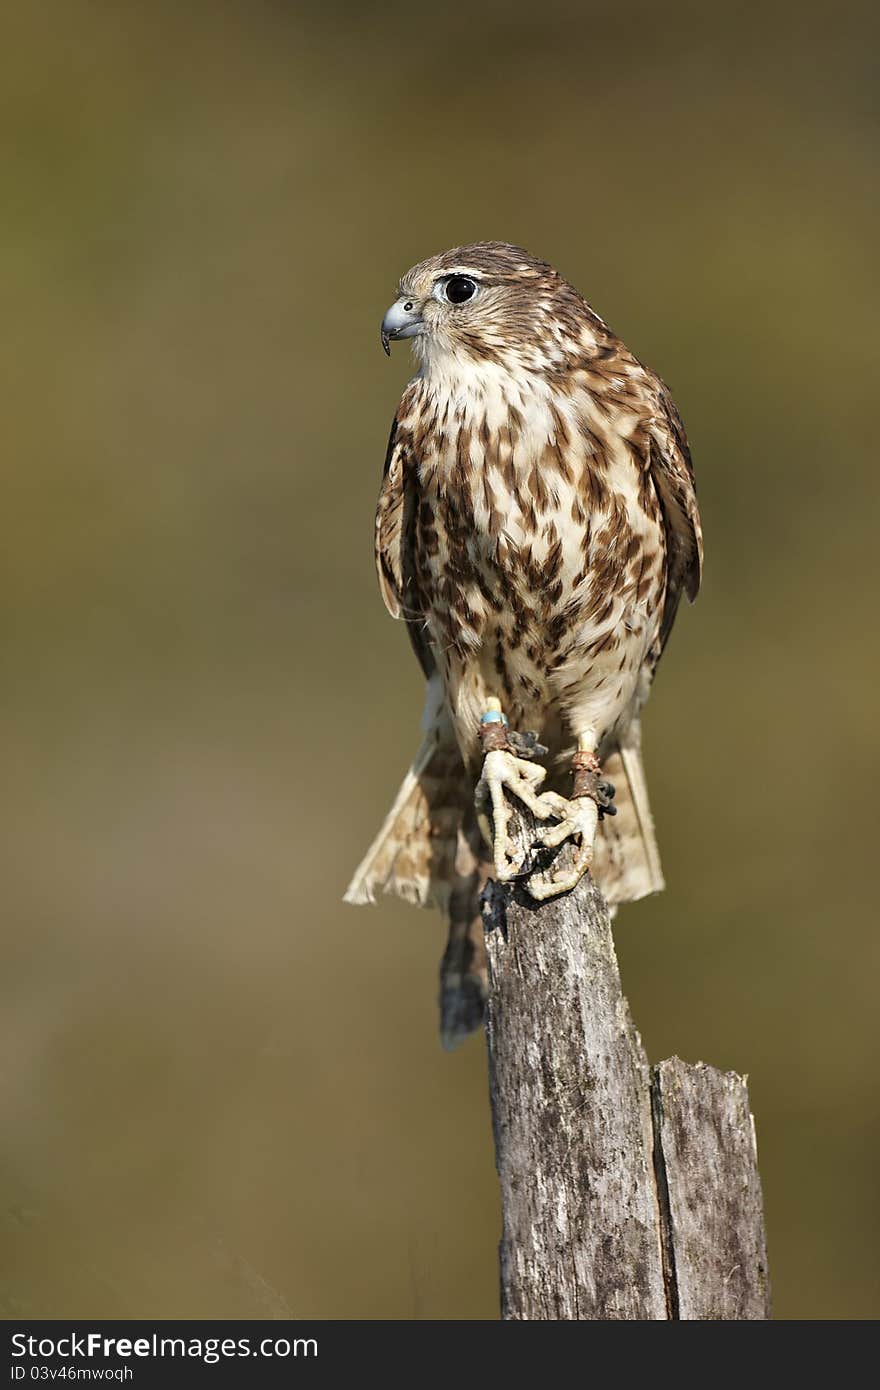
(222, 1093)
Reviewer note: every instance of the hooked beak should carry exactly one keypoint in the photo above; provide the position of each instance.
(403, 320)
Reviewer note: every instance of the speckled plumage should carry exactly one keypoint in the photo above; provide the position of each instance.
(536, 526)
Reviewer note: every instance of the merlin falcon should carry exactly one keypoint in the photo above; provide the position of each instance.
(537, 525)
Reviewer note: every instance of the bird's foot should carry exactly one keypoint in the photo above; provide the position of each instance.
(507, 769)
(503, 772)
(578, 820)
(591, 799)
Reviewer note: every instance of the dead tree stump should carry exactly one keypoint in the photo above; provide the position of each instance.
(627, 1193)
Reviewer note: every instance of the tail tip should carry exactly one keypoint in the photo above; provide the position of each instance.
(462, 1008)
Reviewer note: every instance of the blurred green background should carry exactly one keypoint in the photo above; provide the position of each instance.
(222, 1090)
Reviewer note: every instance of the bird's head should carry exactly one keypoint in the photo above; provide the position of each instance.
(488, 301)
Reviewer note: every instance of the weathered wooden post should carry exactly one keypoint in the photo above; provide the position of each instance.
(626, 1192)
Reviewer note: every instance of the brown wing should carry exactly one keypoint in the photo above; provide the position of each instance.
(673, 474)
(395, 541)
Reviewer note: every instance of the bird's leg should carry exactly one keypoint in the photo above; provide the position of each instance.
(504, 771)
(591, 799)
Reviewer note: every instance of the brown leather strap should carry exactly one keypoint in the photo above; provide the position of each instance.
(493, 736)
(585, 770)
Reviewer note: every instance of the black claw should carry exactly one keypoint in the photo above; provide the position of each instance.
(605, 794)
(525, 745)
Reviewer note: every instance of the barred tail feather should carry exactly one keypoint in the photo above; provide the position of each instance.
(626, 865)
(413, 855)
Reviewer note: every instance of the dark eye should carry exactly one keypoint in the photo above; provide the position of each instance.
(459, 289)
